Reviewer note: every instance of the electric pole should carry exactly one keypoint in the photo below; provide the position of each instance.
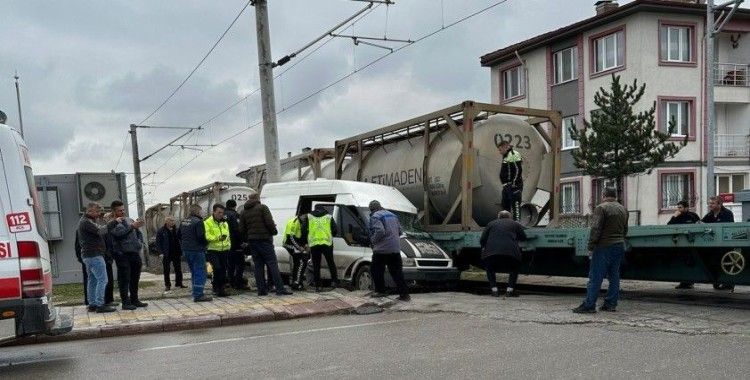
(18, 99)
(138, 184)
(711, 31)
(268, 102)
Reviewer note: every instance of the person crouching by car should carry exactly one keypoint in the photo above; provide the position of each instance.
(501, 252)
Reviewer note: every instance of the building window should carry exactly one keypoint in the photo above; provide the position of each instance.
(597, 190)
(566, 65)
(609, 51)
(730, 183)
(680, 111)
(676, 43)
(676, 187)
(567, 139)
(513, 83)
(570, 198)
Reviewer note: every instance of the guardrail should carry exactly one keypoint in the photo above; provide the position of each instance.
(732, 145)
(732, 74)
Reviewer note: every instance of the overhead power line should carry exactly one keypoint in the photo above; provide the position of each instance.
(198, 65)
(337, 81)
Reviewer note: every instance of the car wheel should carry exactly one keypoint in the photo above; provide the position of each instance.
(363, 278)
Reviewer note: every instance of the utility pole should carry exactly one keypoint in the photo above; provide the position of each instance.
(18, 99)
(711, 31)
(141, 205)
(139, 185)
(268, 101)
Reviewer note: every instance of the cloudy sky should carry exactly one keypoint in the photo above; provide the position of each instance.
(91, 68)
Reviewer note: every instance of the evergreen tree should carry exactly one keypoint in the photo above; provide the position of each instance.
(619, 142)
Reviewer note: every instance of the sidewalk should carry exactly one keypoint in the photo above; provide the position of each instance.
(173, 314)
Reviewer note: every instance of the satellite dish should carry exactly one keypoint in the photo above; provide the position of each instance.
(3, 117)
(94, 191)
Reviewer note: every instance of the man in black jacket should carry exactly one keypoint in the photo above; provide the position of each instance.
(169, 248)
(258, 228)
(236, 262)
(683, 215)
(717, 213)
(501, 252)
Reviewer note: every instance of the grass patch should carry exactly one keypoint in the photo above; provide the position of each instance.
(72, 294)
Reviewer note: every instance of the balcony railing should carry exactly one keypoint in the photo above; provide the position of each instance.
(732, 74)
(732, 146)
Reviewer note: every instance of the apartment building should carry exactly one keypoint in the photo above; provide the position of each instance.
(662, 44)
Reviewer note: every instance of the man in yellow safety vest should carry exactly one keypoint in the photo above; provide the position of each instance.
(295, 241)
(321, 229)
(217, 236)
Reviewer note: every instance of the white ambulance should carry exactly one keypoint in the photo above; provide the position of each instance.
(25, 273)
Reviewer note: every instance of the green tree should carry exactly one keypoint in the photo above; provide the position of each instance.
(619, 142)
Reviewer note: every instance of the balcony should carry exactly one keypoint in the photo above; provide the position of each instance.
(732, 83)
(732, 145)
(732, 74)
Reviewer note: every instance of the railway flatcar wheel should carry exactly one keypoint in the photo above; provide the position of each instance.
(733, 263)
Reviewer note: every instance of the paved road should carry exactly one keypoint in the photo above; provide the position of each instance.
(390, 345)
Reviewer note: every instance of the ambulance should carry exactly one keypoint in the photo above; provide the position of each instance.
(25, 273)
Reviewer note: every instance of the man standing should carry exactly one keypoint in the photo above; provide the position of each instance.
(511, 170)
(258, 228)
(193, 242)
(500, 250)
(321, 229)
(609, 227)
(717, 213)
(217, 236)
(385, 238)
(127, 242)
(295, 242)
(169, 248)
(91, 241)
(236, 261)
(683, 215)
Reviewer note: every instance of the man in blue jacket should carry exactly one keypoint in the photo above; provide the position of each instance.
(192, 237)
(385, 238)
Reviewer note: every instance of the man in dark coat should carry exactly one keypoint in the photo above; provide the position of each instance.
(683, 215)
(717, 213)
(236, 261)
(258, 228)
(501, 252)
(169, 248)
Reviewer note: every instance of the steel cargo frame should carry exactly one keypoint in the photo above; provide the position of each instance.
(459, 119)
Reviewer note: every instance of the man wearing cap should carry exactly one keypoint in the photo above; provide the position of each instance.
(385, 238)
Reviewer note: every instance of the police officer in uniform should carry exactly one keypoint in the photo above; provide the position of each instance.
(295, 241)
(217, 236)
(321, 229)
(511, 170)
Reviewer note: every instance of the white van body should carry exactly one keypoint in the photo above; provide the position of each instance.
(348, 202)
(25, 272)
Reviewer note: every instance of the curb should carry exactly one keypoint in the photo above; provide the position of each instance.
(257, 315)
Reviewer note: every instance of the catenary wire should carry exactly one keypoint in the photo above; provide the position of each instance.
(200, 63)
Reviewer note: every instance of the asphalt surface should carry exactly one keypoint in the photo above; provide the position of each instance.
(390, 345)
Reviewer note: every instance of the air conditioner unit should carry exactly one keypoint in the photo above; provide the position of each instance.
(102, 188)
